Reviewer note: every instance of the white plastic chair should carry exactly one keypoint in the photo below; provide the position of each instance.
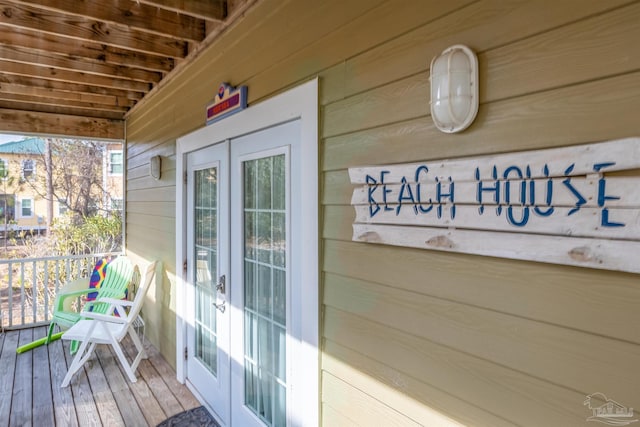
(110, 329)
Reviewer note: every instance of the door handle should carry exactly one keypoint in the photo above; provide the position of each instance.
(221, 289)
(221, 286)
(222, 307)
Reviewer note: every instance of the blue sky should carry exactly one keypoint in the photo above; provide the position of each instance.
(8, 138)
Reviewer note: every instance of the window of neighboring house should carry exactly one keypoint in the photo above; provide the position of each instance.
(115, 162)
(26, 208)
(62, 207)
(116, 204)
(28, 168)
(4, 168)
(92, 207)
(7, 207)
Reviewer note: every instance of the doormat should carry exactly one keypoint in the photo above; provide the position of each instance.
(196, 417)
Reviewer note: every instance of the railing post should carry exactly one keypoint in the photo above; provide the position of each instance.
(34, 288)
(46, 289)
(22, 292)
(68, 268)
(10, 296)
(57, 275)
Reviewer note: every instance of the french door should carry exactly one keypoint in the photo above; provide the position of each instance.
(207, 352)
(243, 257)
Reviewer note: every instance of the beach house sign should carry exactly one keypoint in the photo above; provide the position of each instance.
(577, 205)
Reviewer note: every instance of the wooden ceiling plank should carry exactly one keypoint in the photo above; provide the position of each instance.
(130, 14)
(47, 59)
(61, 75)
(59, 102)
(18, 89)
(17, 121)
(66, 63)
(212, 10)
(68, 87)
(108, 100)
(123, 57)
(17, 15)
(55, 109)
(101, 53)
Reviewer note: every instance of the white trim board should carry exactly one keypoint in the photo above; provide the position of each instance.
(557, 205)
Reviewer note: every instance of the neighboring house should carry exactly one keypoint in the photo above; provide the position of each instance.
(22, 161)
(113, 175)
(384, 334)
(21, 192)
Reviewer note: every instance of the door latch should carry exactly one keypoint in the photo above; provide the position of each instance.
(221, 286)
(220, 306)
(221, 290)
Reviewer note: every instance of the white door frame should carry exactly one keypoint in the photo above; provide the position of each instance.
(299, 103)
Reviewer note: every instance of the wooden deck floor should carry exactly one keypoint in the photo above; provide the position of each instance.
(99, 395)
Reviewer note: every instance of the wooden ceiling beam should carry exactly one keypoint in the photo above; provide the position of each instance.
(101, 53)
(130, 14)
(68, 87)
(211, 10)
(17, 89)
(18, 121)
(21, 16)
(50, 73)
(59, 102)
(62, 95)
(56, 109)
(47, 59)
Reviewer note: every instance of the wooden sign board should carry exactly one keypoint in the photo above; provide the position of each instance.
(229, 100)
(576, 205)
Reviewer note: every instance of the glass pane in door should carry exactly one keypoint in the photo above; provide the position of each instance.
(265, 329)
(206, 255)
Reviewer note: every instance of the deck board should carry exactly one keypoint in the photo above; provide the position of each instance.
(119, 385)
(22, 396)
(100, 394)
(168, 402)
(43, 410)
(7, 375)
(64, 408)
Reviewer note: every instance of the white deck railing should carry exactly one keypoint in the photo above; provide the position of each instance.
(28, 286)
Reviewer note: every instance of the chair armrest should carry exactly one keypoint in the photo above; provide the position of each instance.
(75, 285)
(70, 290)
(114, 301)
(77, 293)
(62, 297)
(117, 306)
(105, 317)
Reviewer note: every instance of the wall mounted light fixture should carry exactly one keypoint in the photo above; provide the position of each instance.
(155, 166)
(454, 89)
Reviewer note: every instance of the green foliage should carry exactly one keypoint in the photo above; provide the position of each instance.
(94, 234)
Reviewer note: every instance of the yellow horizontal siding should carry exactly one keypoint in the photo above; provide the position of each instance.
(360, 407)
(397, 385)
(537, 349)
(600, 302)
(484, 26)
(163, 208)
(471, 390)
(413, 337)
(588, 112)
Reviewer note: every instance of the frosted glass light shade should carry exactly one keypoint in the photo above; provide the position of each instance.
(454, 89)
(155, 166)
